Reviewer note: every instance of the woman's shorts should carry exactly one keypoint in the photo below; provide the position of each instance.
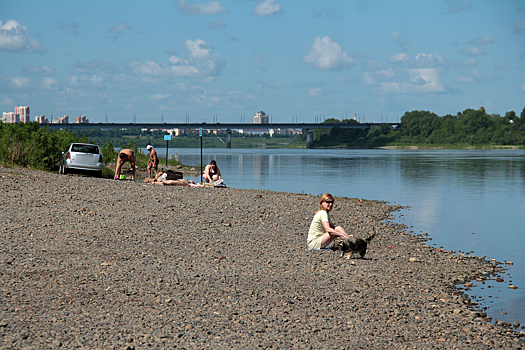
(315, 244)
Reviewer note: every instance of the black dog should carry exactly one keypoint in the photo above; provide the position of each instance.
(352, 245)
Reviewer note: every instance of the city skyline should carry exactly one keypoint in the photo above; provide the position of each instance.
(227, 60)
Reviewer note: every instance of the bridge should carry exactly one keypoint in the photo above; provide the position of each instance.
(218, 126)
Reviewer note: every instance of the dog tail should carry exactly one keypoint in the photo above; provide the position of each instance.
(371, 237)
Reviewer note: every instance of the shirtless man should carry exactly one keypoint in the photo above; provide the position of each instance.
(153, 160)
(126, 155)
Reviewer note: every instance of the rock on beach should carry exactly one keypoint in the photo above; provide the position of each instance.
(104, 264)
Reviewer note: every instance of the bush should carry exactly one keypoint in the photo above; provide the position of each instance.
(108, 173)
(28, 144)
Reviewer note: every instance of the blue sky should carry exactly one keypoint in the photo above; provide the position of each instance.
(226, 60)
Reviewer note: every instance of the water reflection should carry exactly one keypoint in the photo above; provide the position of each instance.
(466, 200)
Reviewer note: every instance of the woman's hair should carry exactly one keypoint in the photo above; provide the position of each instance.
(325, 197)
(213, 162)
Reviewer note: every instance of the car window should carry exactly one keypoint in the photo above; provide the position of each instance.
(85, 149)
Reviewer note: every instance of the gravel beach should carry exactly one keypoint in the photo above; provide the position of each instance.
(91, 263)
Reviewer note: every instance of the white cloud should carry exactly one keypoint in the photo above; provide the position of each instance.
(400, 57)
(14, 37)
(210, 8)
(72, 28)
(198, 61)
(159, 97)
(19, 82)
(258, 59)
(217, 25)
(86, 81)
(519, 26)
(483, 40)
(401, 41)
(198, 49)
(473, 51)
(465, 80)
(475, 77)
(457, 6)
(120, 27)
(267, 8)
(6, 100)
(499, 64)
(372, 78)
(422, 80)
(49, 84)
(327, 55)
(42, 70)
(422, 60)
(316, 92)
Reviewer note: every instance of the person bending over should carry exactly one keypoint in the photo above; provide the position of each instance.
(322, 231)
(125, 155)
(211, 172)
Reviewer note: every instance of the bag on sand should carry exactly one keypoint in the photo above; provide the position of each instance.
(173, 175)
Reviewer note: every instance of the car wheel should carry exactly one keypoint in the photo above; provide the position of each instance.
(98, 173)
(64, 170)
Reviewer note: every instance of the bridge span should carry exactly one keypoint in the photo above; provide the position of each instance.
(218, 126)
(215, 126)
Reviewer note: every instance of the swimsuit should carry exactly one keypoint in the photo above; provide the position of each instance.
(152, 164)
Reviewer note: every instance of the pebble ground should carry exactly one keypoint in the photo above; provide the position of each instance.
(90, 263)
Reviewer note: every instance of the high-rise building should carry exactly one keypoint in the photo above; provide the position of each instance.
(260, 118)
(61, 120)
(41, 119)
(10, 118)
(82, 120)
(23, 113)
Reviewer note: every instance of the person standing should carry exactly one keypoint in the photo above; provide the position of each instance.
(322, 231)
(211, 172)
(125, 155)
(153, 162)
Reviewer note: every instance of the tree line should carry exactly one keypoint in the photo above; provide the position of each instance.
(423, 128)
(28, 144)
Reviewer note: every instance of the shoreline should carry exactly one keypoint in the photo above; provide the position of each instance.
(102, 263)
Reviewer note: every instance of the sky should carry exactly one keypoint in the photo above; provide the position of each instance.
(224, 61)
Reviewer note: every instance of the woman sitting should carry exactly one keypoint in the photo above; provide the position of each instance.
(322, 231)
(212, 172)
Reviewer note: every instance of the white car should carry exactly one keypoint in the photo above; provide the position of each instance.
(82, 157)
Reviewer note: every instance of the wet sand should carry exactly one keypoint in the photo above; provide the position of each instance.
(103, 264)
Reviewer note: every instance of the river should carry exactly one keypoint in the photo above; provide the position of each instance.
(470, 201)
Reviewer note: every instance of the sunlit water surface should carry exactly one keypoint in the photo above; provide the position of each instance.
(466, 200)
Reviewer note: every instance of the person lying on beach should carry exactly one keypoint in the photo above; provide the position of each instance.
(322, 231)
(160, 179)
(180, 182)
(125, 155)
(211, 172)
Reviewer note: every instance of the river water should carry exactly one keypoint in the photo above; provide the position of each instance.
(470, 201)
